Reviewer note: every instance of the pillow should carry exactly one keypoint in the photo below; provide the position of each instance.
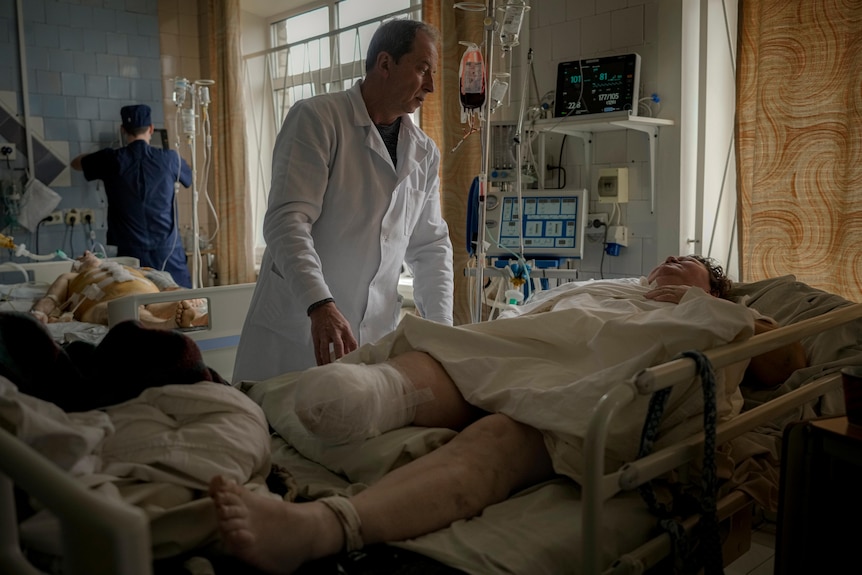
(790, 301)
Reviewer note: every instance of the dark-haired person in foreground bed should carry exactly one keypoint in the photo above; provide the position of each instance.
(83, 295)
(493, 455)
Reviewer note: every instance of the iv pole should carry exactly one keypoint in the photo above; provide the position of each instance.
(199, 98)
(490, 25)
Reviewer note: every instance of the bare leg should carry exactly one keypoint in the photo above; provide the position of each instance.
(482, 465)
(449, 408)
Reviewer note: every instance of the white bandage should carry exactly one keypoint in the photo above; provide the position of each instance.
(342, 402)
(349, 519)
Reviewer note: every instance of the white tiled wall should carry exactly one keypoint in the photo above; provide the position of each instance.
(562, 30)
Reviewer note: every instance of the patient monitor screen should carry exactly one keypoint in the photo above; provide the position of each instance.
(547, 223)
(598, 85)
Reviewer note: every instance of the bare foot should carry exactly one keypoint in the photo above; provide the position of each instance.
(272, 535)
(187, 315)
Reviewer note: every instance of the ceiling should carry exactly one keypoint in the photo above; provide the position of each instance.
(266, 8)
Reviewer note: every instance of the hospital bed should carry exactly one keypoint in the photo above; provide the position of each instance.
(226, 308)
(45, 272)
(602, 527)
(22, 284)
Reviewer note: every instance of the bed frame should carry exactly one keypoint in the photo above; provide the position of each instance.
(47, 272)
(227, 307)
(112, 538)
(599, 487)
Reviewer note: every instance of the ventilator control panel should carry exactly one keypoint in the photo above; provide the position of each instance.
(544, 223)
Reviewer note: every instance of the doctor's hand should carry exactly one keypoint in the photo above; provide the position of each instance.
(328, 326)
(668, 293)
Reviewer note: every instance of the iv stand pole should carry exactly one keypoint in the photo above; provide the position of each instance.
(196, 248)
(490, 20)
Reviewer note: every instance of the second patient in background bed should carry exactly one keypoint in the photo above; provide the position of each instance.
(83, 295)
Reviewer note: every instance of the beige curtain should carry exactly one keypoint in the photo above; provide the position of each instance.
(441, 119)
(229, 176)
(799, 142)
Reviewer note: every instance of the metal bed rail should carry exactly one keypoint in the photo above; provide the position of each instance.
(598, 487)
(99, 536)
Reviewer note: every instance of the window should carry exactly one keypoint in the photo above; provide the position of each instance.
(315, 51)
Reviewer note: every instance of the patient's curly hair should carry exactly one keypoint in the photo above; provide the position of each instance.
(719, 284)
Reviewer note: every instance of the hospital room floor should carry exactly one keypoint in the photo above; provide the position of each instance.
(760, 558)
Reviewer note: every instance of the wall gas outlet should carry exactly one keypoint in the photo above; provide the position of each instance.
(56, 218)
(73, 218)
(8, 152)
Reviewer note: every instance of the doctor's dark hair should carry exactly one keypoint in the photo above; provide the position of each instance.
(719, 284)
(396, 39)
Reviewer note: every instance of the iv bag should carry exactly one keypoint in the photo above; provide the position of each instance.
(181, 86)
(498, 89)
(188, 117)
(512, 19)
(472, 74)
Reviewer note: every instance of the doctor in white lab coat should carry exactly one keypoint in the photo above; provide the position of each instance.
(355, 192)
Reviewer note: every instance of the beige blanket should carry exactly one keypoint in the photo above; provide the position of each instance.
(548, 369)
(157, 451)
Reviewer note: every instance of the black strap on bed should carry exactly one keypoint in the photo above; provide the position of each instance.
(710, 543)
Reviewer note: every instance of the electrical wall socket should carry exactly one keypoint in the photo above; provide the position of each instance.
(601, 216)
(56, 218)
(594, 229)
(73, 218)
(8, 152)
(613, 185)
(87, 216)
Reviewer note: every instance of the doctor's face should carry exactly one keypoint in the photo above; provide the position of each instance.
(411, 79)
(681, 270)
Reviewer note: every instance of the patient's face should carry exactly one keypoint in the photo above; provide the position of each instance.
(87, 261)
(681, 270)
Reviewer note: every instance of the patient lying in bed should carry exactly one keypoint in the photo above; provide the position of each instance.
(83, 295)
(515, 391)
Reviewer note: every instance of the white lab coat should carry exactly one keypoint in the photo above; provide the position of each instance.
(340, 221)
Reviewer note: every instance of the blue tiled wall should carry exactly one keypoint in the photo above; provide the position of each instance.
(85, 59)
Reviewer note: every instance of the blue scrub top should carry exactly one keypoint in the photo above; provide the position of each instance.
(139, 183)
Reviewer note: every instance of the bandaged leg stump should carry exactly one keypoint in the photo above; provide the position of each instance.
(341, 402)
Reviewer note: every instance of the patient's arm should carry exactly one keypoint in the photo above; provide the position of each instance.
(772, 368)
(57, 295)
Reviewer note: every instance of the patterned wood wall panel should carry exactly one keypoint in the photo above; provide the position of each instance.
(441, 119)
(799, 142)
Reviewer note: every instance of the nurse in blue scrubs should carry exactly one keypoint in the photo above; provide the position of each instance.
(141, 182)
